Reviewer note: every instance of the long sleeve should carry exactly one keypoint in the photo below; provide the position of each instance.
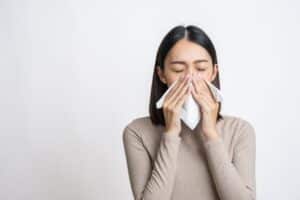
(234, 180)
(151, 182)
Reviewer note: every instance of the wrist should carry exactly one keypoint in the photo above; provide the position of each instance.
(212, 135)
(170, 132)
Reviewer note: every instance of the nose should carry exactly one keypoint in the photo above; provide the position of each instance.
(190, 71)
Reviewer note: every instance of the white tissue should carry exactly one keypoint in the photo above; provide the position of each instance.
(190, 112)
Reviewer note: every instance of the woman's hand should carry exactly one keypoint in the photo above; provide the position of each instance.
(209, 106)
(173, 103)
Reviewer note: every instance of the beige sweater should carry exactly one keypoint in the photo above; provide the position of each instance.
(187, 167)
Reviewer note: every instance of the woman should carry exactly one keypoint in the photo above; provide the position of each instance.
(166, 159)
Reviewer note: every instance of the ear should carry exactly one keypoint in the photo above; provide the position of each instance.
(215, 72)
(161, 75)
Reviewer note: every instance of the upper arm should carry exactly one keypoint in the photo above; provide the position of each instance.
(138, 161)
(245, 155)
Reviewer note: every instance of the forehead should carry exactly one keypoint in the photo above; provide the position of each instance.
(185, 50)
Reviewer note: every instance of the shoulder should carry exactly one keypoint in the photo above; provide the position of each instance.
(239, 126)
(139, 123)
(139, 126)
(236, 121)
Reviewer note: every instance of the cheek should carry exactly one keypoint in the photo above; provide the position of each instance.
(205, 75)
(172, 80)
(172, 77)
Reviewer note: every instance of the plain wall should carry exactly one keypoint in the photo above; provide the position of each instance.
(74, 73)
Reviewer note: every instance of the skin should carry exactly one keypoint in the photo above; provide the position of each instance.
(190, 63)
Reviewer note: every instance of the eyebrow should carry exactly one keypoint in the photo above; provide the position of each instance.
(182, 62)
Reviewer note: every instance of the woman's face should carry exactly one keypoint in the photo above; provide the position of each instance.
(186, 57)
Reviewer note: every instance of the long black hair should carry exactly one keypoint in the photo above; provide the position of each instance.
(194, 34)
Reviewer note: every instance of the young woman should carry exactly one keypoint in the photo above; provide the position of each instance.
(167, 160)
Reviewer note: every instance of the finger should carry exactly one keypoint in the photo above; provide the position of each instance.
(182, 78)
(177, 90)
(183, 98)
(204, 104)
(201, 83)
(209, 92)
(198, 97)
(183, 92)
(208, 96)
(179, 81)
(208, 104)
(206, 99)
(202, 86)
(195, 83)
(181, 86)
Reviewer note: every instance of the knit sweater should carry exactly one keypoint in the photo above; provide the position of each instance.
(188, 166)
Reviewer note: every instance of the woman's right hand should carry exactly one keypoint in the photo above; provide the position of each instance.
(173, 103)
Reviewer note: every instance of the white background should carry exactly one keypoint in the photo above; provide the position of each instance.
(74, 73)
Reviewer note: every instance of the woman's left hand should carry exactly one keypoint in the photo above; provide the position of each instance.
(209, 106)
